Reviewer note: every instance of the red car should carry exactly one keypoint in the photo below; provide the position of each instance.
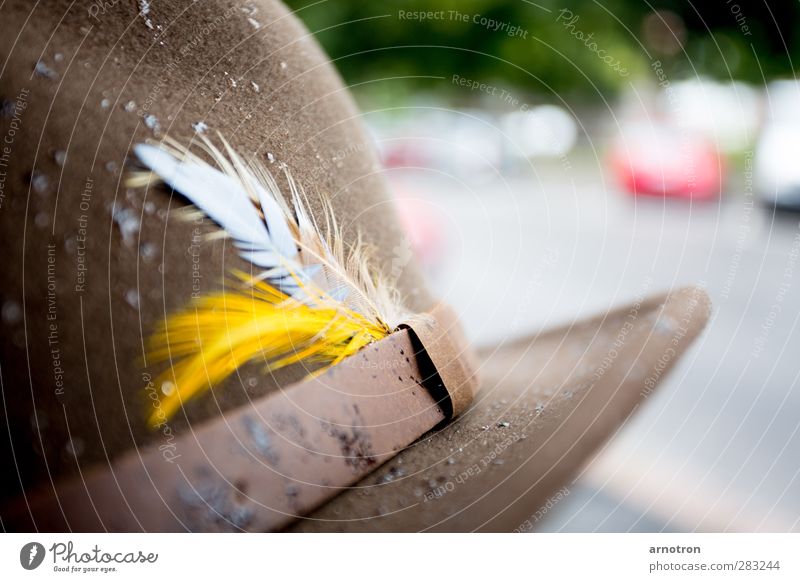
(660, 161)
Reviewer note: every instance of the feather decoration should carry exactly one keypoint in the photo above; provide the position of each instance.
(310, 299)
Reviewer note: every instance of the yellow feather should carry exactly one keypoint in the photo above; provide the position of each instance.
(253, 320)
(220, 332)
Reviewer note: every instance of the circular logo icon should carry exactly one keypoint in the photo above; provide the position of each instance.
(31, 555)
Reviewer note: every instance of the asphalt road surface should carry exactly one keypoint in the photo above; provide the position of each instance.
(717, 447)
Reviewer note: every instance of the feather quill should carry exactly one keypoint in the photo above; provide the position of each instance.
(310, 300)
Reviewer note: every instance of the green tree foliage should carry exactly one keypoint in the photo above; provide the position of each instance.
(370, 41)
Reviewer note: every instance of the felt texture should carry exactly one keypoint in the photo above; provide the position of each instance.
(96, 79)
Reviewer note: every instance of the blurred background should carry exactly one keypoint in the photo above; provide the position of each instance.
(583, 154)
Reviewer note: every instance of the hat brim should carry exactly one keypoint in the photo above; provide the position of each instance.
(547, 404)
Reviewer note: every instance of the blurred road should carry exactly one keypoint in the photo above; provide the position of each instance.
(717, 447)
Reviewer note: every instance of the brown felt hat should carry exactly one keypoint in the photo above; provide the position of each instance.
(92, 266)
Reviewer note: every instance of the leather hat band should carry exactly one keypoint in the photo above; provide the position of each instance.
(263, 465)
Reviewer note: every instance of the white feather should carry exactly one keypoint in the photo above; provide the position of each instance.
(220, 197)
(280, 237)
(267, 243)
